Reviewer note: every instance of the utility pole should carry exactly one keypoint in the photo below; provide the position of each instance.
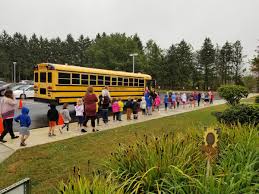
(133, 62)
(14, 72)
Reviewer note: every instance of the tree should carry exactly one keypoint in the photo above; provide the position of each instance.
(207, 61)
(226, 58)
(249, 82)
(154, 59)
(255, 69)
(237, 61)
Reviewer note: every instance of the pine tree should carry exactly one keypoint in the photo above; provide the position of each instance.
(207, 61)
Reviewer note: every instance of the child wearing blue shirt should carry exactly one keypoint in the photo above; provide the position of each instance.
(166, 102)
(25, 122)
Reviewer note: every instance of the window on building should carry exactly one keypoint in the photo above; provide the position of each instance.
(64, 78)
(43, 77)
(107, 80)
(114, 81)
(93, 80)
(84, 79)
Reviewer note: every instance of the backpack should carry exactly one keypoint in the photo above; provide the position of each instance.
(106, 100)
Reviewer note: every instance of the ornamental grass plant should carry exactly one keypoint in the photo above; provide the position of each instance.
(175, 163)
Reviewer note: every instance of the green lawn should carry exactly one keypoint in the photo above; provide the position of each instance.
(47, 164)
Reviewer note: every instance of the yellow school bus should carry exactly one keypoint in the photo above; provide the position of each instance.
(66, 83)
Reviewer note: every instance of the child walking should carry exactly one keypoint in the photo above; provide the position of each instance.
(135, 107)
(79, 108)
(143, 106)
(25, 122)
(157, 102)
(128, 107)
(115, 109)
(121, 105)
(66, 116)
(166, 102)
(53, 119)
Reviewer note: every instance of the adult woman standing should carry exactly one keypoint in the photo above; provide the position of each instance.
(90, 101)
(7, 110)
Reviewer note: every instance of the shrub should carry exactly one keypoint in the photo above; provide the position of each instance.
(233, 93)
(242, 113)
(83, 185)
(257, 99)
(174, 163)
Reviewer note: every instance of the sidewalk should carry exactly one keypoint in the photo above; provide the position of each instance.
(40, 136)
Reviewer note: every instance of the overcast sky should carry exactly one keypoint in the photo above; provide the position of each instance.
(165, 21)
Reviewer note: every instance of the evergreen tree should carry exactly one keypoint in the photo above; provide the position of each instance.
(207, 61)
(237, 61)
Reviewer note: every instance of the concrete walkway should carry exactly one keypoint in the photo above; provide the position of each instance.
(40, 136)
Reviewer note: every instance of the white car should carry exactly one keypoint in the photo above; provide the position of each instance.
(24, 92)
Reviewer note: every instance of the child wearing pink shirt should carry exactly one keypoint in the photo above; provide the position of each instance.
(115, 109)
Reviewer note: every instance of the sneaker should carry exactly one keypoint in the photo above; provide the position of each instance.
(3, 141)
(93, 130)
(22, 144)
(49, 134)
(83, 130)
(53, 134)
(15, 137)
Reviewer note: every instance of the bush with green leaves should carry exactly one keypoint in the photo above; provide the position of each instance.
(175, 163)
(233, 93)
(242, 113)
(83, 185)
(257, 99)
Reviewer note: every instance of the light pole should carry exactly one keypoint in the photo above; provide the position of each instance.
(133, 56)
(14, 72)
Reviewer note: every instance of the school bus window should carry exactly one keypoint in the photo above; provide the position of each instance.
(64, 78)
(136, 82)
(107, 80)
(126, 81)
(130, 81)
(141, 83)
(92, 80)
(36, 77)
(76, 79)
(100, 80)
(84, 79)
(49, 77)
(114, 81)
(120, 83)
(43, 77)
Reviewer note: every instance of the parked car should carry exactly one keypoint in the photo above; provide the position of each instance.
(17, 87)
(26, 91)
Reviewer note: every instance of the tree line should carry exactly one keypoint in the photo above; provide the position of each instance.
(178, 67)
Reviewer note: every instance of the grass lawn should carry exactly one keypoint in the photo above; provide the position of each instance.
(48, 164)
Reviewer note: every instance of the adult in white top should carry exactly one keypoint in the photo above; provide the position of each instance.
(105, 92)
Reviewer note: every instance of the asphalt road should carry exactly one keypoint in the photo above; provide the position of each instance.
(38, 113)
